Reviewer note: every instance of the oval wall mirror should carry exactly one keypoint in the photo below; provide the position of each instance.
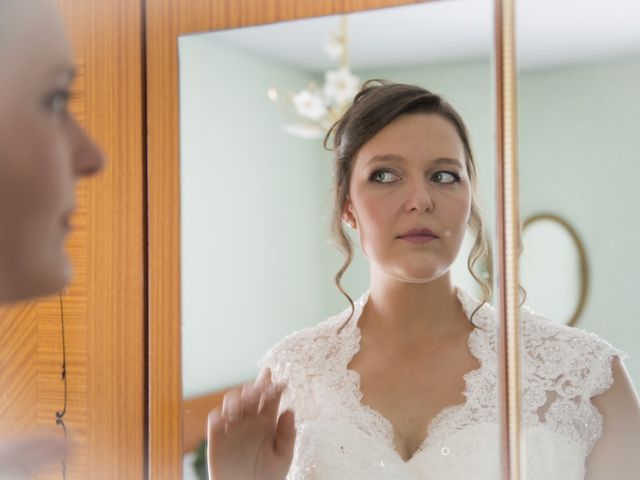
(553, 268)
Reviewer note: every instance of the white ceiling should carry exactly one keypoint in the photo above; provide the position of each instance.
(549, 32)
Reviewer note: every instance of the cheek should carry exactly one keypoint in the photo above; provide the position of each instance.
(34, 179)
(375, 208)
(39, 145)
(454, 217)
(376, 215)
(381, 215)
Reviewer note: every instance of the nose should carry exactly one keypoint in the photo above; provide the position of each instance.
(419, 198)
(88, 158)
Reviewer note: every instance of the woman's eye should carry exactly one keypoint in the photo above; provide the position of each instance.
(56, 102)
(383, 176)
(446, 177)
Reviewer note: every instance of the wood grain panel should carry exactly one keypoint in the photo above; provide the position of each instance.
(50, 385)
(166, 20)
(18, 380)
(105, 306)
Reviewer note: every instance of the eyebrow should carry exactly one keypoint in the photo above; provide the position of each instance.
(391, 157)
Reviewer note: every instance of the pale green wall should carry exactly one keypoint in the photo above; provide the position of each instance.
(246, 208)
(580, 158)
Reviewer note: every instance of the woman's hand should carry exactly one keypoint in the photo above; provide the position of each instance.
(24, 458)
(246, 438)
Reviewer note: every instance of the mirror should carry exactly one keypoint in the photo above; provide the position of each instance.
(256, 199)
(579, 161)
(554, 267)
(578, 156)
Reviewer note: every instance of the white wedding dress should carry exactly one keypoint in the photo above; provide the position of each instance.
(340, 438)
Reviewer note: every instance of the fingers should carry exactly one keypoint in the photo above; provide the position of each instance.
(27, 456)
(249, 400)
(215, 431)
(231, 405)
(246, 426)
(240, 402)
(264, 378)
(216, 424)
(285, 434)
(270, 398)
(45, 450)
(260, 398)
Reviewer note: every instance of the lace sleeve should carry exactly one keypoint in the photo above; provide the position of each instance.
(564, 367)
(298, 360)
(275, 360)
(570, 362)
(601, 376)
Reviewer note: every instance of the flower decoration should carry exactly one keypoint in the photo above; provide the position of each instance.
(310, 104)
(316, 109)
(333, 46)
(341, 86)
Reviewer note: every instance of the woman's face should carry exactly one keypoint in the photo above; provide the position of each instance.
(411, 175)
(43, 151)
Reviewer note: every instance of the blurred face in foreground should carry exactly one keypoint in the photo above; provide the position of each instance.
(43, 151)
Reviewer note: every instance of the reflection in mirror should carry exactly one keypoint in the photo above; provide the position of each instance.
(554, 267)
(579, 158)
(258, 259)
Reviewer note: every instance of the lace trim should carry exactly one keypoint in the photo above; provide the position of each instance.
(452, 417)
(562, 368)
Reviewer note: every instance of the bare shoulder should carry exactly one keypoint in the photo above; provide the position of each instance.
(615, 454)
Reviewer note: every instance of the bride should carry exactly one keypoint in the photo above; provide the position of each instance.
(403, 384)
(44, 152)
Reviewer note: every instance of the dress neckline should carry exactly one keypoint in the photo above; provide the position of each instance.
(380, 425)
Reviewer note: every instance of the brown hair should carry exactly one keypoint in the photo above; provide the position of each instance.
(376, 105)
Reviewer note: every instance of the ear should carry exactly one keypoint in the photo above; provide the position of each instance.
(347, 210)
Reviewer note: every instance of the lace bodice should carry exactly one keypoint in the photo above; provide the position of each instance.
(339, 437)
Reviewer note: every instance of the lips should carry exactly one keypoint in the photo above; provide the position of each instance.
(418, 235)
(418, 232)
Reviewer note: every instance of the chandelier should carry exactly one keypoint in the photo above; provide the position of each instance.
(315, 108)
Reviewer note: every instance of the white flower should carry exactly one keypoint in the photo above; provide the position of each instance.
(333, 46)
(341, 86)
(304, 131)
(310, 105)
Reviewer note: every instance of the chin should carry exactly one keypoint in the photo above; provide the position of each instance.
(421, 279)
(418, 274)
(53, 279)
(30, 290)
(32, 276)
(64, 274)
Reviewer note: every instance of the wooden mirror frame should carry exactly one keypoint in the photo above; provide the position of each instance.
(166, 20)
